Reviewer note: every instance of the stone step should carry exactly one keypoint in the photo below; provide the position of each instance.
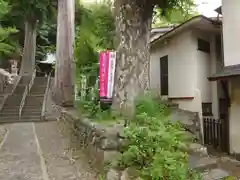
(9, 88)
(14, 98)
(11, 105)
(6, 121)
(14, 117)
(30, 118)
(41, 93)
(40, 79)
(33, 110)
(34, 102)
(36, 113)
(38, 88)
(13, 101)
(31, 98)
(215, 174)
(202, 163)
(198, 149)
(27, 106)
(10, 109)
(7, 116)
(9, 113)
(19, 89)
(25, 80)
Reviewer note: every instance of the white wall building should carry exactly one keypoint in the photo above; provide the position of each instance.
(197, 65)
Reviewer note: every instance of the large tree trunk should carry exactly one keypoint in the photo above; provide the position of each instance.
(133, 24)
(29, 51)
(64, 82)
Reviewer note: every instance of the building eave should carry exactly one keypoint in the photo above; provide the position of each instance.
(226, 73)
(181, 27)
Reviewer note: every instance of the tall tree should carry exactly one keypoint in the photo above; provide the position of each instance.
(133, 24)
(33, 12)
(65, 65)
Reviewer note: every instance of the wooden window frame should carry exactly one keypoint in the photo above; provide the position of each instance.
(205, 106)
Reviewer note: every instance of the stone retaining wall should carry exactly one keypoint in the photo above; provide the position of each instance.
(101, 143)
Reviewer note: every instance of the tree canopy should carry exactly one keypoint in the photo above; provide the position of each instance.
(33, 10)
(174, 16)
(7, 46)
(94, 32)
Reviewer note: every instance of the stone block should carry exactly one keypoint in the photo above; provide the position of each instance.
(113, 175)
(215, 174)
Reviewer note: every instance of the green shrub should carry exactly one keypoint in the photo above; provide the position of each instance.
(157, 147)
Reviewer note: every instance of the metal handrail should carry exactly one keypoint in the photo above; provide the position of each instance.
(46, 96)
(26, 91)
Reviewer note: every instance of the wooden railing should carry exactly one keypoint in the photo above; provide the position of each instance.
(216, 133)
(46, 96)
(26, 91)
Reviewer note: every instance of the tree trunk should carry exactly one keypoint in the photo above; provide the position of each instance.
(29, 51)
(64, 72)
(133, 24)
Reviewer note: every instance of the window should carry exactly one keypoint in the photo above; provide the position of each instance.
(164, 75)
(203, 46)
(207, 109)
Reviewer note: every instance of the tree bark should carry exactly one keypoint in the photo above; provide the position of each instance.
(64, 72)
(29, 51)
(133, 24)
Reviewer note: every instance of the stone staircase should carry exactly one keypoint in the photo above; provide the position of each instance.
(10, 110)
(33, 105)
(32, 108)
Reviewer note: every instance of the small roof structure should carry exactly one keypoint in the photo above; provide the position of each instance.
(50, 59)
(227, 72)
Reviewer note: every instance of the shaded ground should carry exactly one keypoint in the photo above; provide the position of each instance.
(19, 158)
(62, 161)
(38, 152)
(229, 165)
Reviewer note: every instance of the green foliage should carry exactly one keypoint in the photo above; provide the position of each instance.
(16, 16)
(94, 32)
(33, 10)
(6, 46)
(41, 15)
(156, 146)
(229, 178)
(46, 39)
(174, 16)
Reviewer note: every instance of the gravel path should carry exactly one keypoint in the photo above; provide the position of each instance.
(32, 151)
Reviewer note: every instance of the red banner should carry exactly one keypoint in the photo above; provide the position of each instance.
(106, 73)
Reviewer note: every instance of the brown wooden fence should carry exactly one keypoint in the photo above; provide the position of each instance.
(216, 133)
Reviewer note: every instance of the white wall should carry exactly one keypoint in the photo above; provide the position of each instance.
(203, 66)
(181, 63)
(234, 114)
(189, 70)
(231, 29)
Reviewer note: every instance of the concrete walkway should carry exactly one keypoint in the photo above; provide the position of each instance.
(38, 152)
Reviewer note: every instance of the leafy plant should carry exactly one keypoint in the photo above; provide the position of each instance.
(6, 46)
(156, 146)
